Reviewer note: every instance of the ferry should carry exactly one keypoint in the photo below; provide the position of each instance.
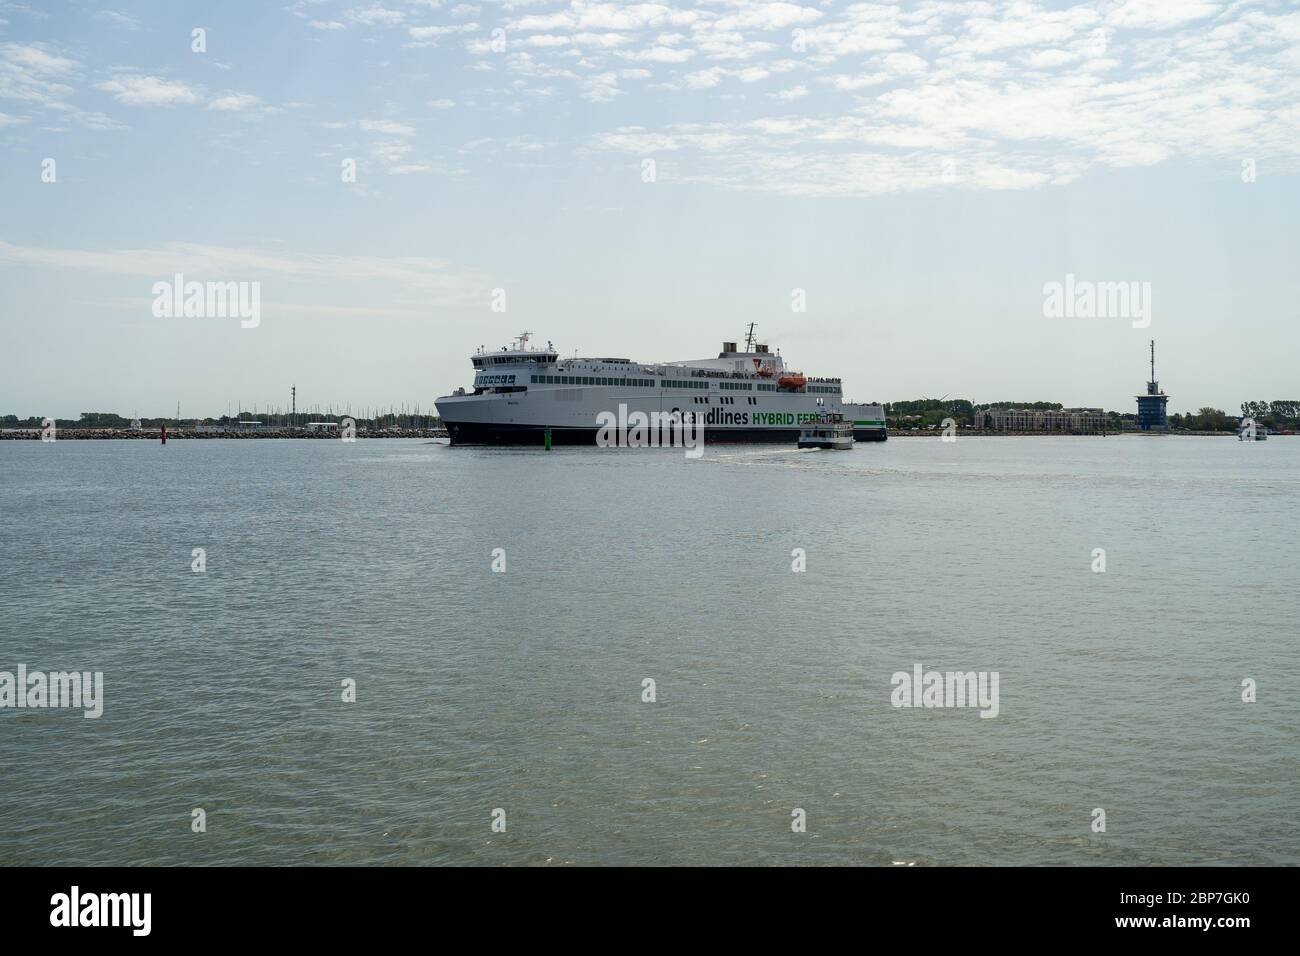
(830, 431)
(524, 395)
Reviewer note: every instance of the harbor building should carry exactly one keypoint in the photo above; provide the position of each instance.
(1151, 413)
(1078, 421)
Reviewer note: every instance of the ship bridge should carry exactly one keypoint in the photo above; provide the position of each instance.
(518, 353)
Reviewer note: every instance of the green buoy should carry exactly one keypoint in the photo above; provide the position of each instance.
(548, 439)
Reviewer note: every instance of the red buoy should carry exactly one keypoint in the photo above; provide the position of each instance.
(164, 434)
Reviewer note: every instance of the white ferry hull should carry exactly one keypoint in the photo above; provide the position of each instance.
(522, 418)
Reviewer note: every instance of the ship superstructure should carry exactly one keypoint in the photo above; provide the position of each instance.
(521, 392)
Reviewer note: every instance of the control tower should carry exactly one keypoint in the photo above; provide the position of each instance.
(1151, 414)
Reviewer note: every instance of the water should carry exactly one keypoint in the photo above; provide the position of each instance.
(477, 690)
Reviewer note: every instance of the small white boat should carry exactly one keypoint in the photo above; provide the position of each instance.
(830, 430)
(1260, 433)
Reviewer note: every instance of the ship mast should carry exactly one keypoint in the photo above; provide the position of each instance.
(749, 338)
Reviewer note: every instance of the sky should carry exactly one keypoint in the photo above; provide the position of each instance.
(407, 180)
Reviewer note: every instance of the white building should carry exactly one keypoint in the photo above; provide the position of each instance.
(1069, 420)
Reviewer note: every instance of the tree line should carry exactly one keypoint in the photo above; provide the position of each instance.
(275, 420)
(927, 412)
(1280, 414)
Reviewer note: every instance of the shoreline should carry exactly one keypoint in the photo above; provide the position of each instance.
(116, 434)
(110, 434)
(977, 433)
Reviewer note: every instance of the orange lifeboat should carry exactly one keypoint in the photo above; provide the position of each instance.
(792, 381)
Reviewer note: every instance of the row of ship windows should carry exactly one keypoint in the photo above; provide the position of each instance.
(590, 380)
(513, 360)
(769, 387)
(598, 380)
(651, 383)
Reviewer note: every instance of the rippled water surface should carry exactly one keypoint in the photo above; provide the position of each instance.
(477, 690)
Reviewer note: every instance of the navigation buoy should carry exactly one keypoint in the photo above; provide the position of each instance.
(164, 434)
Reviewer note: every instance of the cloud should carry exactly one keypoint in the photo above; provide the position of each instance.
(391, 152)
(35, 73)
(428, 36)
(137, 90)
(904, 64)
(1017, 131)
(117, 19)
(1160, 14)
(606, 16)
(96, 121)
(657, 54)
(1050, 59)
(387, 127)
(1020, 25)
(1016, 95)
(234, 102)
(790, 95)
(819, 98)
(37, 57)
(429, 280)
(846, 83)
(768, 16)
(705, 79)
(375, 15)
